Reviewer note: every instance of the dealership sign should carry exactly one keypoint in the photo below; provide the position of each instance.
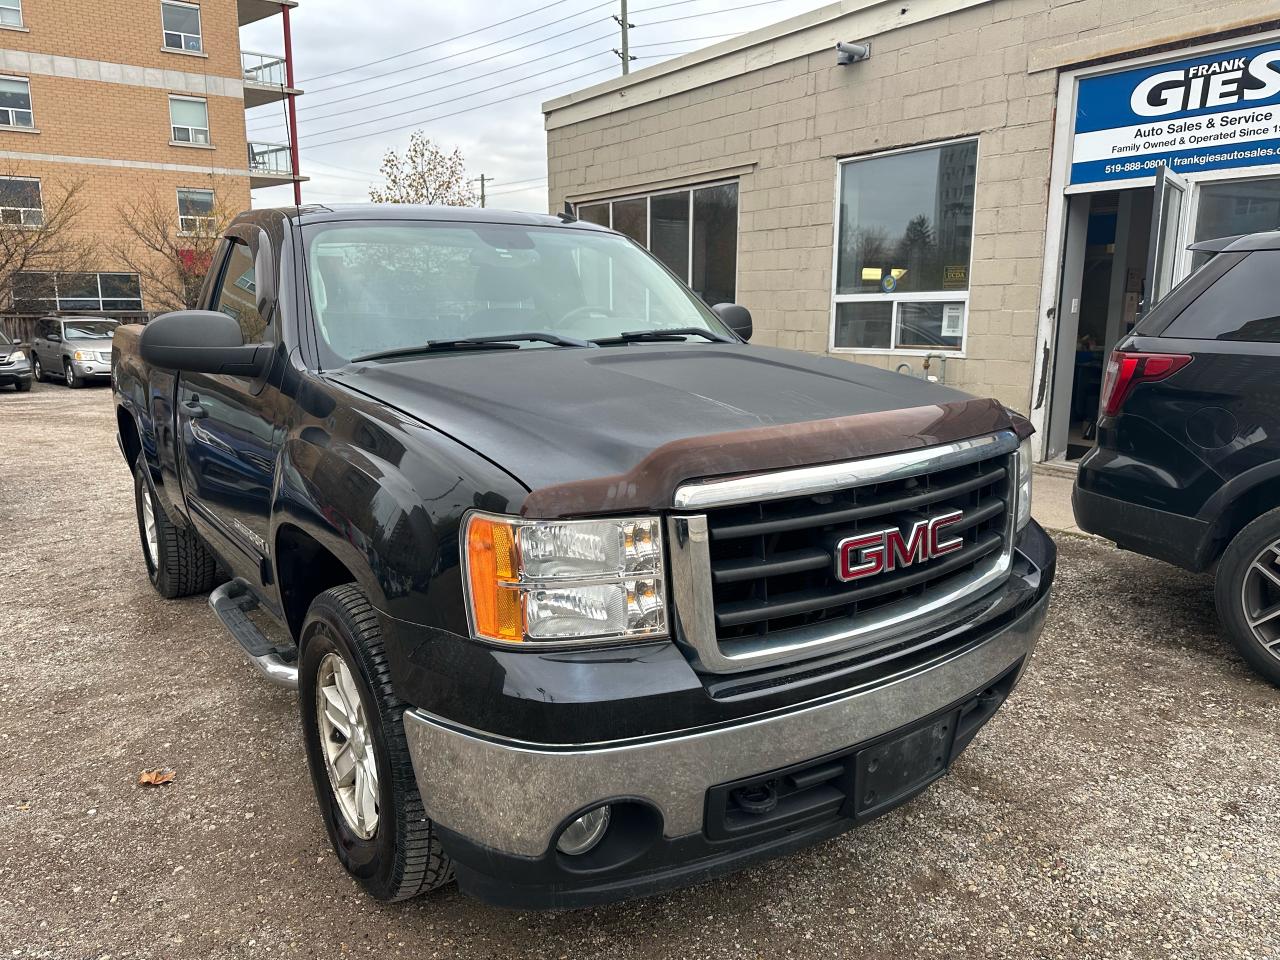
(1205, 113)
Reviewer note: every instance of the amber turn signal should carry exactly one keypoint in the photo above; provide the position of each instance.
(492, 567)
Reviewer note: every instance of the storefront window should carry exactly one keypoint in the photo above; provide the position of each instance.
(905, 234)
(693, 231)
(1231, 207)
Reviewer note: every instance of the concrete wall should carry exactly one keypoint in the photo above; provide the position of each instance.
(988, 71)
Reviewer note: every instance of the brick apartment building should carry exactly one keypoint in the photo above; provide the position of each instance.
(129, 100)
(998, 190)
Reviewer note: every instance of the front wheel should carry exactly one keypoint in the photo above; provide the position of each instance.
(22, 386)
(70, 376)
(352, 724)
(37, 370)
(1247, 594)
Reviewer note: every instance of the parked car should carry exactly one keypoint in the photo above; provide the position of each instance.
(15, 368)
(75, 349)
(1187, 463)
(587, 597)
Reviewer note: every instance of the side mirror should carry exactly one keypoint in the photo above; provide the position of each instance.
(201, 341)
(54, 338)
(737, 318)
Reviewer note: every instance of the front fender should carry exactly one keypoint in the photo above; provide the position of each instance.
(386, 496)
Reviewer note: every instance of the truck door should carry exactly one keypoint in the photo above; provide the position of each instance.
(229, 427)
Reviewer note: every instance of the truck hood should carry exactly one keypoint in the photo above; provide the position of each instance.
(561, 419)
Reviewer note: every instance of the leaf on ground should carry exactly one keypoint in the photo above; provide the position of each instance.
(154, 778)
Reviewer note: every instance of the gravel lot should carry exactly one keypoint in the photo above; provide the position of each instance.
(1124, 804)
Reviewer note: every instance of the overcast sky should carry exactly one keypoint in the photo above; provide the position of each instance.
(432, 78)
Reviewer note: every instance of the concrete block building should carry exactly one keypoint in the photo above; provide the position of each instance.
(992, 197)
(126, 99)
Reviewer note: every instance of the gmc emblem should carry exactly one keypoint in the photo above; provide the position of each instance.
(866, 554)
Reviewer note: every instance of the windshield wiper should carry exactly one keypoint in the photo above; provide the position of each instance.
(502, 341)
(672, 335)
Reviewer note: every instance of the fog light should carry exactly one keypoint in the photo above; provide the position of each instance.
(584, 833)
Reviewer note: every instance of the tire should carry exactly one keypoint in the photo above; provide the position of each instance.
(178, 562)
(69, 375)
(398, 855)
(37, 369)
(22, 386)
(1244, 591)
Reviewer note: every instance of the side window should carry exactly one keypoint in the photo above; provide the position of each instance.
(238, 297)
(1243, 304)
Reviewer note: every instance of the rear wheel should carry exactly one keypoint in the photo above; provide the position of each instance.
(178, 562)
(1247, 593)
(352, 724)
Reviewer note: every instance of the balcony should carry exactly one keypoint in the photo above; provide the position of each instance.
(251, 11)
(264, 79)
(270, 164)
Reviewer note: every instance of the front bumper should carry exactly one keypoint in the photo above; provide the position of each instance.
(92, 370)
(500, 803)
(14, 373)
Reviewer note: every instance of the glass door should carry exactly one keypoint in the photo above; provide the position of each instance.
(1167, 213)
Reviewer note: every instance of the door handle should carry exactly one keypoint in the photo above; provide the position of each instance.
(194, 409)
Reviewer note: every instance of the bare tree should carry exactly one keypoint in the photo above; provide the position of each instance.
(170, 249)
(425, 174)
(38, 227)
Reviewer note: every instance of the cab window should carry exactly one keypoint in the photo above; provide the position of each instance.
(238, 294)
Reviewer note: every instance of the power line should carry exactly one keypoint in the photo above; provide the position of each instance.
(443, 116)
(664, 43)
(419, 93)
(436, 43)
(459, 53)
(711, 13)
(440, 103)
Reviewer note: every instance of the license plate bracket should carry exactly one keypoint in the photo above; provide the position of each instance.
(891, 770)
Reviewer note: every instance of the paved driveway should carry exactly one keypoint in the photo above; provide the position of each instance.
(1125, 804)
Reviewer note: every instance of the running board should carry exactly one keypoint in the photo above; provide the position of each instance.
(231, 602)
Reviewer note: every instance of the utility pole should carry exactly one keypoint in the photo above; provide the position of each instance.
(481, 180)
(625, 25)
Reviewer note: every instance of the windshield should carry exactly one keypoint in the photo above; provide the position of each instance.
(89, 329)
(378, 287)
(4, 339)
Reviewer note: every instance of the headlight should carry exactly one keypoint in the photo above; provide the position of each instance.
(564, 580)
(1023, 515)
(85, 355)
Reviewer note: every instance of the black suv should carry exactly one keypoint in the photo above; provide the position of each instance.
(1187, 464)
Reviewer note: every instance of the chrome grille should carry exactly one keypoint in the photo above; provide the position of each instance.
(761, 557)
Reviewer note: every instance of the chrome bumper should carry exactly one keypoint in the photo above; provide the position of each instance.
(512, 796)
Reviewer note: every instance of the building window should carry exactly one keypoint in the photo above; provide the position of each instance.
(15, 102)
(190, 119)
(93, 292)
(905, 233)
(20, 204)
(181, 26)
(694, 232)
(11, 13)
(195, 211)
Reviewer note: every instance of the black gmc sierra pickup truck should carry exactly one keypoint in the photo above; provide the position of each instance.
(585, 596)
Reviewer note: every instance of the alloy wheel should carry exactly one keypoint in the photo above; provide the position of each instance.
(37, 373)
(150, 538)
(70, 373)
(1260, 598)
(347, 741)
